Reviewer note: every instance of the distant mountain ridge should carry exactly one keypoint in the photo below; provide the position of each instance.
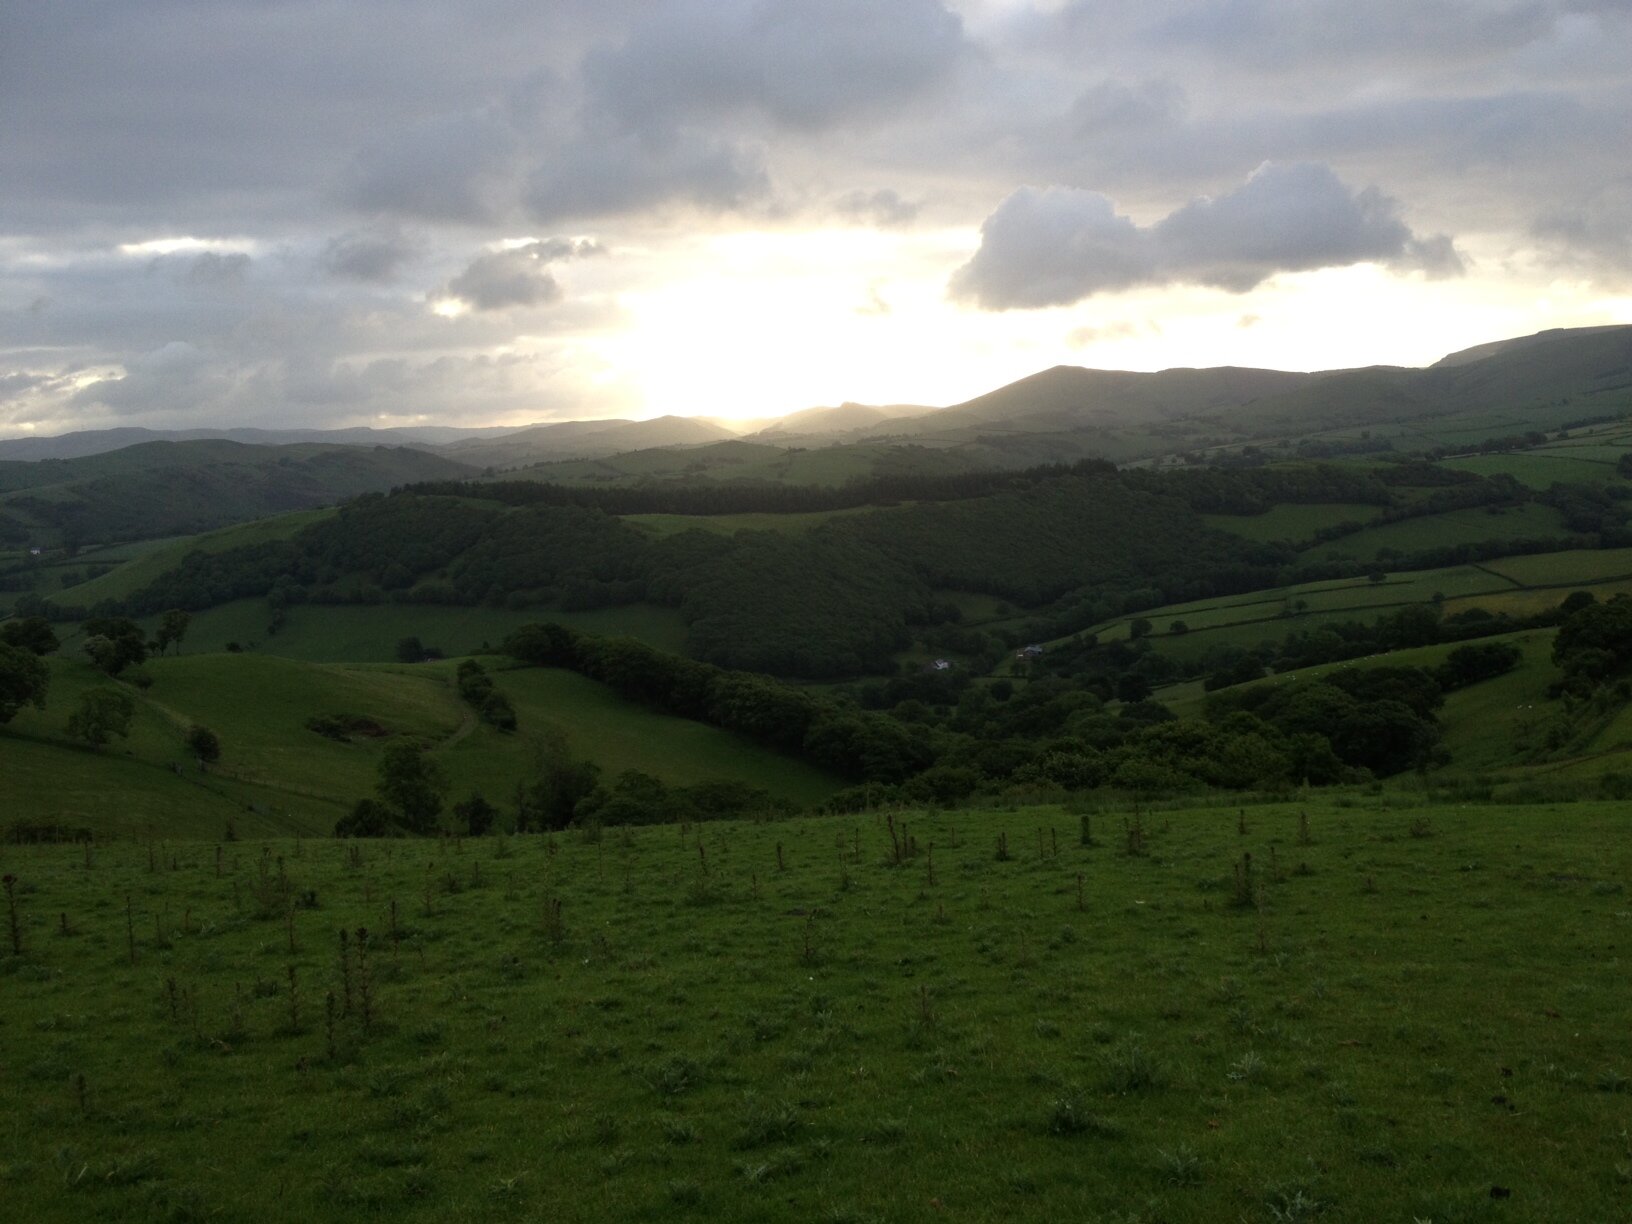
(86, 442)
(178, 488)
(1098, 409)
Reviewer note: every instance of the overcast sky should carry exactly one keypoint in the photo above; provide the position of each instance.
(341, 212)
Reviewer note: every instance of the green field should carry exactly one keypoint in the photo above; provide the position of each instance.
(1563, 568)
(1538, 469)
(278, 777)
(1245, 620)
(1526, 522)
(619, 735)
(340, 633)
(148, 561)
(729, 524)
(1416, 1016)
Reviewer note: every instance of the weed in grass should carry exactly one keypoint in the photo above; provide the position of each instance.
(1293, 1204)
(365, 984)
(1129, 1067)
(765, 1123)
(1421, 827)
(1133, 836)
(1303, 829)
(1002, 847)
(1069, 1114)
(552, 923)
(1085, 831)
(10, 882)
(678, 1131)
(1247, 1069)
(1180, 1167)
(294, 1001)
(685, 1193)
(345, 970)
(1611, 1080)
(674, 1076)
(701, 890)
(1245, 894)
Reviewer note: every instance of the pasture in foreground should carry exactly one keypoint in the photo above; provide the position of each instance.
(1384, 1014)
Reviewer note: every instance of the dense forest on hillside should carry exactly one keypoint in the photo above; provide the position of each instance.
(1069, 546)
(940, 738)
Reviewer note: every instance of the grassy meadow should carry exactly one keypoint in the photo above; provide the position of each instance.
(1402, 1014)
(278, 777)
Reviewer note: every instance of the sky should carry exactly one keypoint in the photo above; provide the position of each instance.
(323, 213)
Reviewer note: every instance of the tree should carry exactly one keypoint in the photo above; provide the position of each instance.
(1131, 686)
(23, 681)
(561, 782)
(477, 814)
(204, 744)
(370, 818)
(103, 713)
(172, 628)
(413, 784)
(1139, 627)
(33, 633)
(113, 643)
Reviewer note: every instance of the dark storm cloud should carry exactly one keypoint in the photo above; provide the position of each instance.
(1054, 246)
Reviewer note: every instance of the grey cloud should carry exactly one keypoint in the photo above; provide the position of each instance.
(883, 207)
(1593, 234)
(1058, 245)
(177, 377)
(1122, 107)
(624, 174)
(460, 167)
(1051, 246)
(804, 65)
(1277, 34)
(369, 258)
(518, 276)
(1285, 218)
(213, 269)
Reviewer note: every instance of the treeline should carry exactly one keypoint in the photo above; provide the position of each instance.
(1074, 546)
(943, 738)
(187, 488)
(836, 600)
(851, 743)
(696, 497)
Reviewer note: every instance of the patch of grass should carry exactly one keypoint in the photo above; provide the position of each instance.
(669, 1060)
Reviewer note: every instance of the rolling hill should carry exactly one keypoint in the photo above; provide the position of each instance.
(176, 488)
